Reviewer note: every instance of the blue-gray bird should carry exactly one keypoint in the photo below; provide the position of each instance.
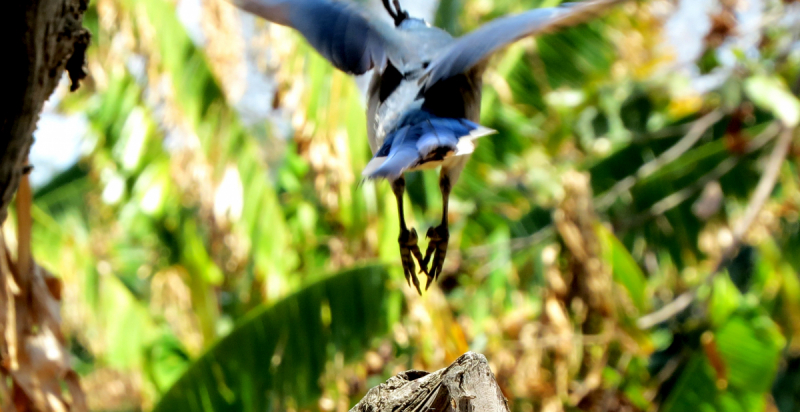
(425, 94)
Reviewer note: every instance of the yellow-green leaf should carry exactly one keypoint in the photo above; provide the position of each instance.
(771, 94)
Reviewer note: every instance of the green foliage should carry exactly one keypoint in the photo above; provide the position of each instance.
(624, 268)
(279, 352)
(736, 370)
(210, 263)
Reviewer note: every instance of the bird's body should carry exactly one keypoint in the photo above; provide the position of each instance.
(394, 101)
(424, 97)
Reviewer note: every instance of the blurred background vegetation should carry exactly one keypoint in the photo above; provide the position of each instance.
(628, 241)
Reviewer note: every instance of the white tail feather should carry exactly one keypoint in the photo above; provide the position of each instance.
(466, 145)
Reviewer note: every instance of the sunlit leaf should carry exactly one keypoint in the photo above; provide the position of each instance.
(725, 299)
(750, 346)
(773, 95)
(624, 268)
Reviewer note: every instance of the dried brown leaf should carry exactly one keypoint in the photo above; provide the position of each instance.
(33, 353)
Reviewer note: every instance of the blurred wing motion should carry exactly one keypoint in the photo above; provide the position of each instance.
(425, 96)
(339, 31)
(479, 45)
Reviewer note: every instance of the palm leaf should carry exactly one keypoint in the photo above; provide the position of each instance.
(280, 351)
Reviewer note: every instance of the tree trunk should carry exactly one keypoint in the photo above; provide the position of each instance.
(466, 385)
(42, 38)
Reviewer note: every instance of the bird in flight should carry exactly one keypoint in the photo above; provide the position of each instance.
(424, 97)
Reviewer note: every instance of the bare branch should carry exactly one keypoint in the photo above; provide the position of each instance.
(667, 312)
(477, 252)
(765, 185)
(696, 131)
(675, 199)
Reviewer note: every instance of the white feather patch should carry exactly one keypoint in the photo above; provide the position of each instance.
(481, 131)
(465, 144)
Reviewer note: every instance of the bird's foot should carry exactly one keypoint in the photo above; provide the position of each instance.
(408, 252)
(437, 248)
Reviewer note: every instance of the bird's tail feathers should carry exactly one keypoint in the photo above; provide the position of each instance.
(425, 143)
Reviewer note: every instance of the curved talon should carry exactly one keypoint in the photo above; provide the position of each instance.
(437, 248)
(408, 252)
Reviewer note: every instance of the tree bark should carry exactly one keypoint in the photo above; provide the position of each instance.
(42, 38)
(466, 385)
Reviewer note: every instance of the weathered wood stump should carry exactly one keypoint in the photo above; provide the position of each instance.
(466, 385)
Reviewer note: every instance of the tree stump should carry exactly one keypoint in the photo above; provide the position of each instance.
(466, 385)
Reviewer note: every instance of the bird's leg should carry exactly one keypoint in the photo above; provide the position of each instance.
(402, 14)
(408, 239)
(398, 14)
(438, 236)
(389, 9)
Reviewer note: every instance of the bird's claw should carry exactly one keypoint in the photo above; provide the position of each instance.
(437, 248)
(408, 252)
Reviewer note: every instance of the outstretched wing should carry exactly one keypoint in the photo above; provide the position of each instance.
(339, 31)
(471, 49)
